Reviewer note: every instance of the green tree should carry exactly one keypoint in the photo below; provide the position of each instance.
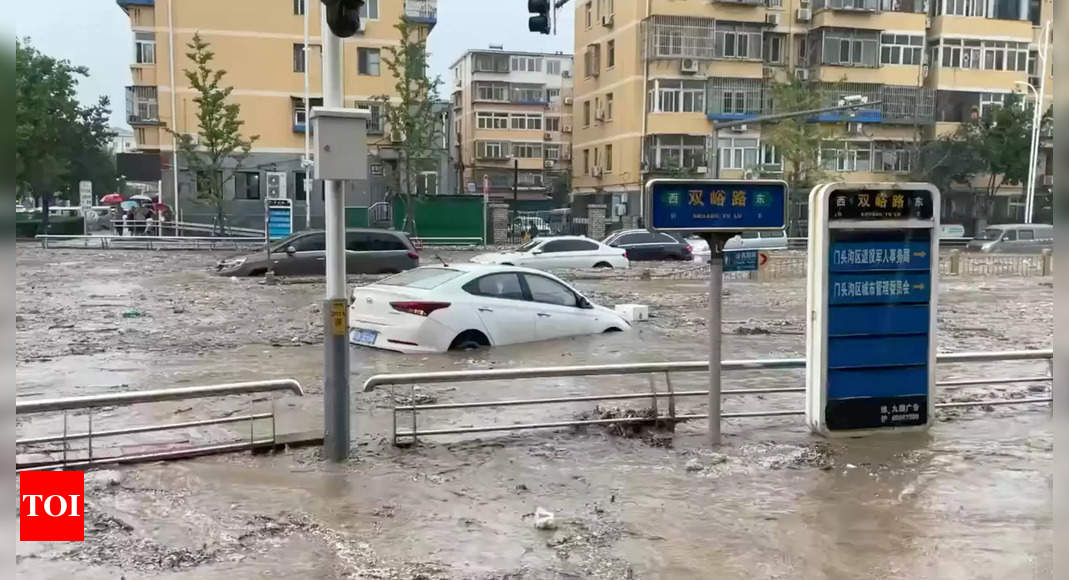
(797, 140)
(1001, 140)
(944, 161)
(217, 150)
(413, 122)
(58, 142)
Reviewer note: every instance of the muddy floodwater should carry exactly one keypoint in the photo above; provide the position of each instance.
(970, 499)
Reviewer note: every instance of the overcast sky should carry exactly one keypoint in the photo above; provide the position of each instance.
(96, 34)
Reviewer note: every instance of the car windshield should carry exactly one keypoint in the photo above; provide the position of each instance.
(422, 278)
(989, 234)
(529, 246)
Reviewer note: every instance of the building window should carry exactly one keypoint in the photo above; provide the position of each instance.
(491, 149)
(865, 5)
(529, 121)
(592, 60)
(737, 152)
(737, 41)
(771, 160)
(610, 54)
(678, 151)
(900, 49)
(608, 158)
(145, 48)
(850, 48)
(299, 192)
(774, 49)
(298, 7)
(491, 91)
(376, 124)
(552, 94)
(976, 8)
(984, 54)
(527, 150)
(553, 67)
(247, 185)
(672, 96)
(586, 113)
(552, 151)
(586, 161)
(846, 156)
(668, 42)
(588, 14)
(529, 94)
(892, 157)
(526, 64)
(367, 60)
(990, 101)
(552, 123)
(298, 58)
(370, 10)
(608, 106)
(492, 120)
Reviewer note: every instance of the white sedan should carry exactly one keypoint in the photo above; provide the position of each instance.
(559, 252)
(467, 306)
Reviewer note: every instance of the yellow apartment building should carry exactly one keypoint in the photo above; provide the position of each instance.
(260, 45)
(653, 77)
(512, 117)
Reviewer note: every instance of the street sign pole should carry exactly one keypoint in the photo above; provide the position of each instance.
(335, 311)
(716, 209)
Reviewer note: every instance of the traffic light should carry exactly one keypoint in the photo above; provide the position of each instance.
(539, 21)
(343, 16)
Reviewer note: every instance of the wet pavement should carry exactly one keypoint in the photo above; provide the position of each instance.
(970, 500)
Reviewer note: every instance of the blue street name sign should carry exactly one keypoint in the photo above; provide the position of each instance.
(716, 205)
(279, 218)
(741, 260)
(871, 352)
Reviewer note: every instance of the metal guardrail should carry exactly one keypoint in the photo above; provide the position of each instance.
(90, 402)
(108, 241)
(667, 368)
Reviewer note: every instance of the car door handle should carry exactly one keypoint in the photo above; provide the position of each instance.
(321, 259)
(486, 310)
(543, 315)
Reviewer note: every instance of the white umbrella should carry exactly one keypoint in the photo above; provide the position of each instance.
(140, 197)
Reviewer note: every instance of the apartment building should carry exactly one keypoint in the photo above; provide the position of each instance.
(655, 77)
(260, 45)
(512, 120)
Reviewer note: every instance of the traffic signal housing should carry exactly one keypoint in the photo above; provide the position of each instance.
(343, 16)
(539, 21)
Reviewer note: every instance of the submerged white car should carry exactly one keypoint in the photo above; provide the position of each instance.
(467, 306)
(559, 252)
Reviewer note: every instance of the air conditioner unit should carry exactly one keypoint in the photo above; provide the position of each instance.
(362, 26)
(854, 128)
(566, 129)
(619, 209)
(548, 136)
(595, 171)
(566, 74)
(276, 185)
(550, 163)
(801, 74)
(772, 19)
(803, 14)
(606, 20)
(688, 65)
(739, 128)
(1048, 180)
(701, 170)
(768, 72)
(567, 100)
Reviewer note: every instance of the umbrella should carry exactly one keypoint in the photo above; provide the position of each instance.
(128, 204)
(111, 198)
(141, 198)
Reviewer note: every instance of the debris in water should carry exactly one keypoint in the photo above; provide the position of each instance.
(544, 519)
(131, 313)
(694, 465)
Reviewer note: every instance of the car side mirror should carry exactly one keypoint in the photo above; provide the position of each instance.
(584, 303)
(290, 250)
(536, 251)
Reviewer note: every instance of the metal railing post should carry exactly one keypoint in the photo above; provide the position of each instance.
(653, 392)
(955, 262)
(64, 438)
(1046, 266)
(671, 398)
(90, 437)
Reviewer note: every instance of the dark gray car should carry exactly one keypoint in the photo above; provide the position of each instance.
(367, 251)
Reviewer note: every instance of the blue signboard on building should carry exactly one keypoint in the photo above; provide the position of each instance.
(874, 348)
(716, 205)
(279, 218)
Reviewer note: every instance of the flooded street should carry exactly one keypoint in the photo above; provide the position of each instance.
(971, 499)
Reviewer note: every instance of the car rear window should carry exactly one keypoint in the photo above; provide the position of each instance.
(422, 278)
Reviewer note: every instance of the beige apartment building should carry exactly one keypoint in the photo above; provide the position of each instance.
(260, 45)
(655, 76)
(512, 117)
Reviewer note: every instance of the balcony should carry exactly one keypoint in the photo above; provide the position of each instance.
(742, 2)
(422, 11)
(142, 106)
(848, 5)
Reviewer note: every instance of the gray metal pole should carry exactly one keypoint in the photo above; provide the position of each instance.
(716, 283)
(335, 308)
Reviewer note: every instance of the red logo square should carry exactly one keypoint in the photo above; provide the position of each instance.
(52, 506)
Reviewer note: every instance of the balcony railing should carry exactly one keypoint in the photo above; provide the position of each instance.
(142, 106)
(848, 5)
(424, 11)
(743, 2)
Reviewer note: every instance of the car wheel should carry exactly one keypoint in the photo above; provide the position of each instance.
(469, 340)
(612, 329)
(603, 265)
(258, 272)
(507, 264)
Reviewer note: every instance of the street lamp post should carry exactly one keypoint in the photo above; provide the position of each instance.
(1033, 151)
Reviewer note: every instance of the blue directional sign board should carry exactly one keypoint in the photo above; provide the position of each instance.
(741, 260)
(279, 218)
(874, 278)
(716, 205)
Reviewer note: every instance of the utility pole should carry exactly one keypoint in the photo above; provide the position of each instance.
(306, 161)
(515, 179)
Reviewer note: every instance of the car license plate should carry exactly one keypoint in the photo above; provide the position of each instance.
(362, 336)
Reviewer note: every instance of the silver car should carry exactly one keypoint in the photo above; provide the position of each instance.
(1013, 239)
(367, 251)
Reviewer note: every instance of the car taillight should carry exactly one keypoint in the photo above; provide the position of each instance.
(626, 256)
(688, 248)
(413, 255)
(419, 308)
